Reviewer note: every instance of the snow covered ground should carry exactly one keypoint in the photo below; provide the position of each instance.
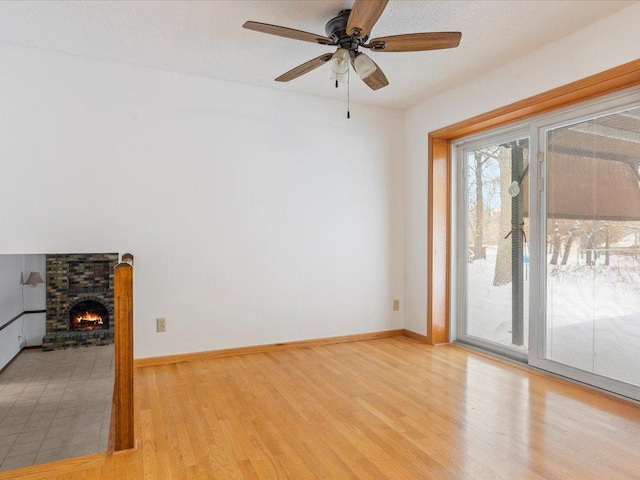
(489, 307)
(593, 313)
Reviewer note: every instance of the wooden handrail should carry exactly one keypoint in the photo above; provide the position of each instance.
(123, 388)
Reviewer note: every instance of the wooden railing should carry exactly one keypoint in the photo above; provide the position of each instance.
(123, 388)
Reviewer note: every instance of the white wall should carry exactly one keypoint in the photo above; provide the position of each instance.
(608, 43)
(15, 299)
(255, 216)
(10, 306)
(10, 286)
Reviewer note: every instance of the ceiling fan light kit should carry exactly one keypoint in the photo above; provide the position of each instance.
(340, 61)
(339, 77)
(364, 66)
(349, 31)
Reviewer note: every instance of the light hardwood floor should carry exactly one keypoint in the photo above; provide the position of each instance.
(390, 408)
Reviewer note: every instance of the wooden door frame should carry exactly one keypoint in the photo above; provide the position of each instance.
(439, 242)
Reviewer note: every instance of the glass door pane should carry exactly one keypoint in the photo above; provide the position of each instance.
(495, 250)
(593, 245)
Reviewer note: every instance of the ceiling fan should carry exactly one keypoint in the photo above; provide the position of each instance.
(349, 31)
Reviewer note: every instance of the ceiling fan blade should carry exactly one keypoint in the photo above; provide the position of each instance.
(287, 33)
(363, 16)
(377, 79)
(415, 42)
(305, 68)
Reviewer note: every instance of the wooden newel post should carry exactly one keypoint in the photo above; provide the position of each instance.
(123, 388)
(127, 258)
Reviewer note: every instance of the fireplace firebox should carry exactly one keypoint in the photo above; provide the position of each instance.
(79, 300)
(88, 315)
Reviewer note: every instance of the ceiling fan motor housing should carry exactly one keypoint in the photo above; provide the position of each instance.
(336, 29)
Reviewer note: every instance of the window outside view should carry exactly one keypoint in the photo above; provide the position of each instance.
(497, 256)
(593, 245)
(592, 248)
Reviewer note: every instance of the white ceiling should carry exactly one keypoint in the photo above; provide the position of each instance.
(207, 38)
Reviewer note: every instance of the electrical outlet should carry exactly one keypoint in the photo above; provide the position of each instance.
(161, 325)
(396, 305)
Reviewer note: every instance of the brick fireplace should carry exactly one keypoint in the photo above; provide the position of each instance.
(79, 300)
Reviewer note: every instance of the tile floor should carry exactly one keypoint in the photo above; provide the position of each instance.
(55, 405)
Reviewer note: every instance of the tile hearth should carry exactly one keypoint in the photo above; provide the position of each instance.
(55, 405)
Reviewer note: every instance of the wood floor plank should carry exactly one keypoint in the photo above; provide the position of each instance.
(391, 408)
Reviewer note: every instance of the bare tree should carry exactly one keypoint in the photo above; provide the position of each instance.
(484, 186)
(569, 239)
(479, 233)
(591, 234)
(502, 275)
(557, 243)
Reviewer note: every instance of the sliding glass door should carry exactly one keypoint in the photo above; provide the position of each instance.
(494, 261)
(548, 250)
(591, 275)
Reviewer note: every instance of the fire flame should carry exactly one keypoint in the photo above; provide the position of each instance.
(88, 317)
